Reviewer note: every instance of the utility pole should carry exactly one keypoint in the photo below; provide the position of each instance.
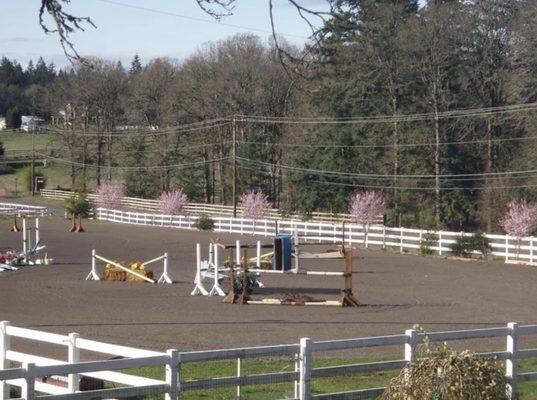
(234, 155)
(32, 172)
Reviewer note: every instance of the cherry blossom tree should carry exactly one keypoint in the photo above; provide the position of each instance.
(365, 208)
(110, 195)
(173, 202)
(255, 205)
(519, 220)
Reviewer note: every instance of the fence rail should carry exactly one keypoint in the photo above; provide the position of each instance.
(173, 361)
(22, 209)
(510, 249)
(202, 208)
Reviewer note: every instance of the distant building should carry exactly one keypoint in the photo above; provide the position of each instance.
(2, 123)
(30, 123)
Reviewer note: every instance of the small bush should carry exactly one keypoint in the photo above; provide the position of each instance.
(428, 241)
(466, 245)
(445, 374)
(78, 205)
(205, 223)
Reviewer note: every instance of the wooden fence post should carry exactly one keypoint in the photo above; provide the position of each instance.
(172, 374)
(4, 363)
(511, 360)
(304, 389)
(412, 338)
(73, 357)
(28, 386)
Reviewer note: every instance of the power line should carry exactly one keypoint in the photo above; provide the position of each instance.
(452, 114)
(211, 124)
(391, 187)
(172, 14)
(152, 167)
(372, 146)
(377, 176)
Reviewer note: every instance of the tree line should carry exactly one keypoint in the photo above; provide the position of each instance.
(170, 124)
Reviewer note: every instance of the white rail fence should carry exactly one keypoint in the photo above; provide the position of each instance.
(172, 361)
(198, 208)
(22, 209)
(401, 239)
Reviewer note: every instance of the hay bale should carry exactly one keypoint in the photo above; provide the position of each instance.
(113, 274)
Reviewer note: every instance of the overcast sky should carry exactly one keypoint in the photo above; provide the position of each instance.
(161, 28)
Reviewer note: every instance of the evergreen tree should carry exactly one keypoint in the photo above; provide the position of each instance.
(136, 65)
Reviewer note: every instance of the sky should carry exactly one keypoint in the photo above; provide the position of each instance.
(127, 27)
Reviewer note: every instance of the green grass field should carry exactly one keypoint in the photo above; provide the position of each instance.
(22, 141)
(527, 391)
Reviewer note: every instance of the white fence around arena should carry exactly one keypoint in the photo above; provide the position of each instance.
(198, 208)
(22, 209)
(401, 239)
(172, 361)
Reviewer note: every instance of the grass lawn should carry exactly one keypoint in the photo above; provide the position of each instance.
(20, 141)
(527, 390)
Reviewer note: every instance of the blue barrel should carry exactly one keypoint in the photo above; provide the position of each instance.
(283, 247)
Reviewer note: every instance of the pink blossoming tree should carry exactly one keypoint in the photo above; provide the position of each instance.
(173, 202)
(255, 205)
(365, 207)
(519, 220)
(110, 195)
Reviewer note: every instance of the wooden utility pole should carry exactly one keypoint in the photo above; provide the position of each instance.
(32, 171)
(234, 134)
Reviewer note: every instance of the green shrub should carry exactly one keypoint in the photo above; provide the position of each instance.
(78, 205)
(466, 245)
(428, 241)
(205, 223)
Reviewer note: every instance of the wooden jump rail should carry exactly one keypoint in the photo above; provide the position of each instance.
(164, 278)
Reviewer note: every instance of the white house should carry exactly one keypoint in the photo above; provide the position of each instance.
(30, 123)
(2, 123)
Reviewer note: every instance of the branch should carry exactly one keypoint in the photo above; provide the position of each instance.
(65, 24)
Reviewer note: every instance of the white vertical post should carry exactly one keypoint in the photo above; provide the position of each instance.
(172, 374)
(296, 384)
(296, 244)
(531, 250)
(238, 252)
(258, 259)
(383, 237)
(511, 360)
(239, 373)
(24, 238)
(304, 390)
(412, 338)
(440, 243)
(199, 289)
(401, 240)
(4, 363)
(506, 248)
(37, 236)
(28, 385)
(93, 275)
(73, 357)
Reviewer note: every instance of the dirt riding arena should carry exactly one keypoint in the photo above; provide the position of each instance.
(396, 291)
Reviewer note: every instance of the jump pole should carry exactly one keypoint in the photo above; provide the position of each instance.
(93, 275)
(258, 258)
(198, 289)
(24, 238)
(216, 289)
(37, 236)
(129, 271)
